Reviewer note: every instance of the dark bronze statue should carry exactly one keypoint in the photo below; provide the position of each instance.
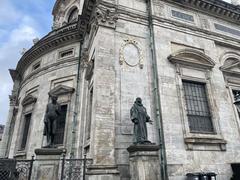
(50, 120)
(140, 117)
(237, 102)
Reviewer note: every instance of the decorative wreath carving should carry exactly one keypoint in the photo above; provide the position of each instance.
(140, 53)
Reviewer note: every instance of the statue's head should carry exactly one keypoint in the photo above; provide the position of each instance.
(53, 98)
(138, 100)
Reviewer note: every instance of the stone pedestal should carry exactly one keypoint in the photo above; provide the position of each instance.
(47, 162)
(144, 162)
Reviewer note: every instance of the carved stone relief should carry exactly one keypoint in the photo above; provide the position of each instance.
(158, 9)
(204, 22)
(231, 65)
(131, 53)
(106, 17)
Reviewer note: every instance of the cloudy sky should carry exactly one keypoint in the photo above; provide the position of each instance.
(20, 22)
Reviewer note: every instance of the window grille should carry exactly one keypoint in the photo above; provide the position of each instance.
(59, 136)
(27, 118)
(198, 112)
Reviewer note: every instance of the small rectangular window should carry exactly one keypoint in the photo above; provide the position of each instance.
(27, 119)
(199, 116)
(66, 53)
(36, 66)
(59, 136)
(182, 16)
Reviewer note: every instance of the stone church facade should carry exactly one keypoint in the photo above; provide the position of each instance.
(180, 56)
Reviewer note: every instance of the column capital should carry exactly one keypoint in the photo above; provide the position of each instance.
(106, 16)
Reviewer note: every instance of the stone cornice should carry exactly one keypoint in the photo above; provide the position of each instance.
(47, 69)
(217, 8)
(51, 41)
(84, 19)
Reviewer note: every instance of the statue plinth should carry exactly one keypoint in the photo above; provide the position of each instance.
(144, 162)
(49, 151)
(47, 164)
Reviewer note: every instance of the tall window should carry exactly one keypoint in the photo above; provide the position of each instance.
(198, 113)
(59, 136)
(27, 120)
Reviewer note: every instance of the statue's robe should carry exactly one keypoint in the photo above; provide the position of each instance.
(139, 117)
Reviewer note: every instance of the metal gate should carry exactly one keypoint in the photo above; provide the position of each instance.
(70, 169)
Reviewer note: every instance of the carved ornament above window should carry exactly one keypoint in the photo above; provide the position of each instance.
(231, 66)
(191, 57)
(29, 99)
(61, 90)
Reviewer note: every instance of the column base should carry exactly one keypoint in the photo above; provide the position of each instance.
(101, 172)
(144, 162)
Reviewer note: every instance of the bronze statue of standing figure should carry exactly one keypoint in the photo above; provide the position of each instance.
(50, 120)
(140, 117)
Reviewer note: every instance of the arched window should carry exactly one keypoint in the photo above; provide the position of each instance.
(73, 15)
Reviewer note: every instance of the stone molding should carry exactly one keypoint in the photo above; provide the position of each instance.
(231, 65)
(61, 90)
(140, 52)
(191, 57)
(46, 69)
(29, 99)
(218, 8)
(106, 17)
(49, 151)
(51, 41)
(102, 170)
(192, 141)
(14, 74)
(143, 147)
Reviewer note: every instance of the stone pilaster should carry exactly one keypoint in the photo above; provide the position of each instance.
(144, 162)
(103, 121)
(7, 130)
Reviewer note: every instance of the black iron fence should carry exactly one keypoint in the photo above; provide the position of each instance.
(69, 169)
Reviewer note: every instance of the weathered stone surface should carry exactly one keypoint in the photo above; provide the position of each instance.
(144, 162)
(117, 83)
(47, 163)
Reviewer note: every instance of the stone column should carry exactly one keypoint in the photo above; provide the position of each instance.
(144, 162)
(102, 146)
(4, 145)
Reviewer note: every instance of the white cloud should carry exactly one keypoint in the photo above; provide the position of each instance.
(8, 13)
(18, 38)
